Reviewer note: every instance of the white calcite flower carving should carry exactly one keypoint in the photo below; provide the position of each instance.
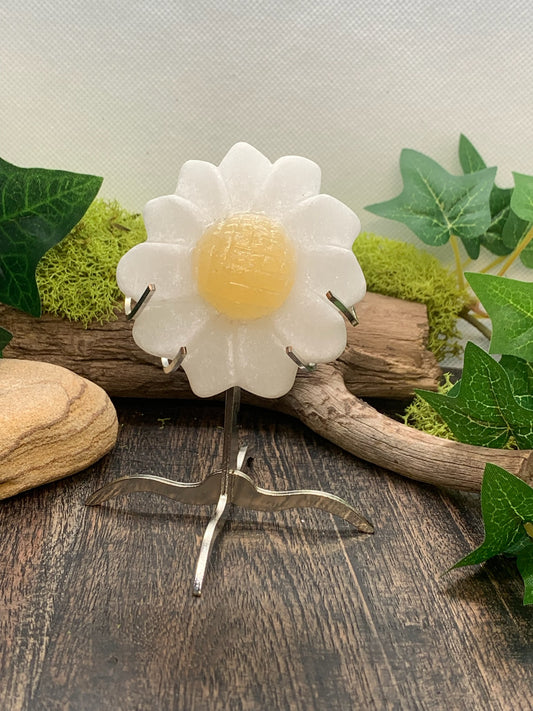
(242, 256)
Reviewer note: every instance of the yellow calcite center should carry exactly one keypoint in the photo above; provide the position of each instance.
(245, 266)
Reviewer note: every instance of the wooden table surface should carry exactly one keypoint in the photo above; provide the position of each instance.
(298, 611)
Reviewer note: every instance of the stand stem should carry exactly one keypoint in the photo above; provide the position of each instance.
(230, 446)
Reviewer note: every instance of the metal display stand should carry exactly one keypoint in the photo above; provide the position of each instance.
(229, 484)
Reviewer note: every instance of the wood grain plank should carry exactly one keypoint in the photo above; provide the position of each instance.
(299, 612)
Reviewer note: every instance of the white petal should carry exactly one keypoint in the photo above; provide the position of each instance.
(174, 220)
(163, 327)
(168, 266)
(209, 362)
(291, 180)
(331, 269)
(322, 219)
(201, 184)
(262, 365)
(312, 326)
(244, 170)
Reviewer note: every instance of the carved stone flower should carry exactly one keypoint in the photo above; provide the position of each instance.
(242, 256)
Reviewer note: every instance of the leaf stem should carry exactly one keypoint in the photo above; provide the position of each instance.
(493, 264)
(458, 264)
(471, 319)
(517, 251)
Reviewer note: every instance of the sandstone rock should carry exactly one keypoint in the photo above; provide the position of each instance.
(52, 423)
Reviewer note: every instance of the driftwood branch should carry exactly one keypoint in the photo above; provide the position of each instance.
(385, 357)
(386, 354)
(322, 402)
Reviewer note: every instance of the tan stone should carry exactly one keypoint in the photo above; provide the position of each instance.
(52, 423)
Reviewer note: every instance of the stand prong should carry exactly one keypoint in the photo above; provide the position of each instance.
(299, 362)
(169, 366)
(139, 306)
(349, 313)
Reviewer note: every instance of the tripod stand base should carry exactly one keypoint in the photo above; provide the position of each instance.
(224, 488)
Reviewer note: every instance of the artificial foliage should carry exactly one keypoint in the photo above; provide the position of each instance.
(438, 206)
(520, 374)
(405, 272)
(522, 199)
(522, 206)
(511, 210)
(38, 207)
(499, 201)
(483, 410)
(492, 405)
(507, 508)
(5, 337)
(509, 303)
(77, 277)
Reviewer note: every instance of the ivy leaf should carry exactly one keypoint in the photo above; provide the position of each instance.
(500, 199)
(493, 238)
(506, 229)
(470, 159)
(509, 303)
(526, 256)
(507, 508)
(506, 505)
(520, 374)
(524, 562)
(436, 205)
(485, 411)
(522, 206)
(514, 231)
(522, 200)
(5, 337)
(38, 207)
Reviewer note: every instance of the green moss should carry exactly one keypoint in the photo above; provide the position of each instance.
(402, 270)
(76, 278)
(420, 415)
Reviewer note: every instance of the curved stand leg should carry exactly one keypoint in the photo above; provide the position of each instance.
(250, 496)
(211, 532)
(198, 493)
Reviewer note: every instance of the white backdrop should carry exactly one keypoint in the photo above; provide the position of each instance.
(130, 89)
